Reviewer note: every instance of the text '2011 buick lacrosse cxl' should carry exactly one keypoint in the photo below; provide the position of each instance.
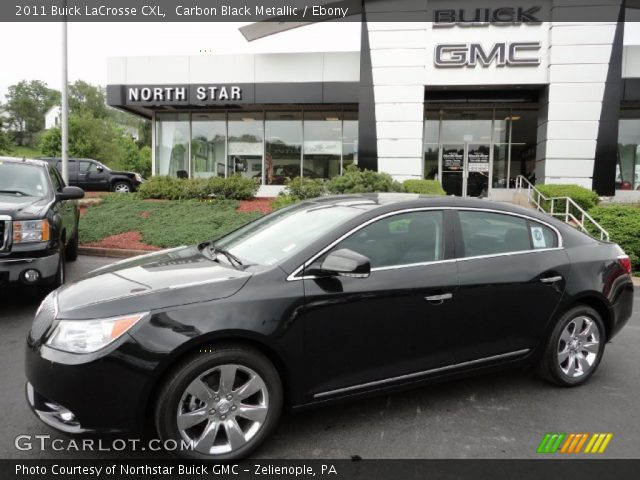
(327, 299)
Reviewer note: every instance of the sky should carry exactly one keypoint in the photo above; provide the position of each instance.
(33, 50)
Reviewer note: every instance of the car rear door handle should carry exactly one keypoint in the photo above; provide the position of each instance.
(555, 279)
(439, 298)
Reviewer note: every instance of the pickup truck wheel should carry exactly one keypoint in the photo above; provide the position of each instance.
(122, 187)
(71, 252)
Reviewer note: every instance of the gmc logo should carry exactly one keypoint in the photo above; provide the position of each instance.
(472, 54)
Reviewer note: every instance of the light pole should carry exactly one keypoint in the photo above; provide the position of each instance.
(65, 104)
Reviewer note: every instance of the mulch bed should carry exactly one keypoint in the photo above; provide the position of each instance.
(262, 205)
(127, 241)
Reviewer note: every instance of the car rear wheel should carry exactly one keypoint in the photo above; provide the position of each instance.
(224, 402)
(575, 348)
(122, 187)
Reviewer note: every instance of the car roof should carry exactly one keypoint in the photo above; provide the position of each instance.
(26, 161)
(398, 201)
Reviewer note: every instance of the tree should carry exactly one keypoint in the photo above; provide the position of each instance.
(27, 103)
(87, 100)
(6, 145)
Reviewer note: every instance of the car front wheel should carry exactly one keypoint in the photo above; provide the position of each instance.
(122, 187)
(223, 402)
(575, 348)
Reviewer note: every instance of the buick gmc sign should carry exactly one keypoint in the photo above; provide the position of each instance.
(479, 17)
(472, 54)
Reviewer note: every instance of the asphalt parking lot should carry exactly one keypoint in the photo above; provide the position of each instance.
(497, 416)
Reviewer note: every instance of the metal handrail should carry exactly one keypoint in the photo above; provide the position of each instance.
(536, 197)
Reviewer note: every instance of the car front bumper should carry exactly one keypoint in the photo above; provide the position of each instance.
(104, 395)
(12, 269)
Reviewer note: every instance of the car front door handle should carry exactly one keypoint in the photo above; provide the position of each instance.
(439, 298)
(555, 279)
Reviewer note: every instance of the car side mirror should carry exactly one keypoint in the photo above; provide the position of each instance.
(100, 168)
(70, 193)
(346, 263)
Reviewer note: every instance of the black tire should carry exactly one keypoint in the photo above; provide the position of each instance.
(170, 398)
(553, 367)
(71, 252)
(122, 186)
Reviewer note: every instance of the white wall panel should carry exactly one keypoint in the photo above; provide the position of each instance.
(341, 67)
(585, 34)
(578, 73)
(288, 67)
(400, 129)
(116, 70)
(403, 112)
(572, 130)
(221, 69)
(400, 166)
(399, 94)
(576, 92)
(398, 76)
(562, 167)
(399, 147)
(399, 57)
(157, 70)
(579, 54)
(571, 148)
(397, 39)
(574, 111)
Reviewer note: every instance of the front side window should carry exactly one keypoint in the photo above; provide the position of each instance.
(488, 233)
(86, 167)
(403, 239)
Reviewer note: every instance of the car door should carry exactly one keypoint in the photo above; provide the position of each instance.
(93, 176)
(512, 274)
(73, 171)
(396, 321)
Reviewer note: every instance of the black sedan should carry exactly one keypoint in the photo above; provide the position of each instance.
(324, 300)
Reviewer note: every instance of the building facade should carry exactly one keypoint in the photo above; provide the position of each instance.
(472, 97)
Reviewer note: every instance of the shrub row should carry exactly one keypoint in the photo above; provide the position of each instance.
(171, 188)
(623, 224)
(582, 196)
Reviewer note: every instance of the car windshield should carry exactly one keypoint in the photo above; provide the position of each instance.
(277, 236)
(22, 179)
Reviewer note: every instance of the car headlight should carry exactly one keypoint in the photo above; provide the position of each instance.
(139, 178)
(88, 336)
(30, 231)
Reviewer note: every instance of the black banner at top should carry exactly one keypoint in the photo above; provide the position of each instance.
(442, 12)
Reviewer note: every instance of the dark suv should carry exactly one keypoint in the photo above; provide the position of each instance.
(38, 223)
(92, 176)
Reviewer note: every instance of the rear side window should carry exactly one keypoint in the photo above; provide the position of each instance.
(403, 239)
(488, 233)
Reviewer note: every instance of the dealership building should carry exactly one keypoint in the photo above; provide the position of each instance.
(472, 97)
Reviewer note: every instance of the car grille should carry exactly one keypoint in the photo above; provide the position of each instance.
(44, 317)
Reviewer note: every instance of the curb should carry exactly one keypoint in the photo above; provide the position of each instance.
(636, 281)
(111, 252)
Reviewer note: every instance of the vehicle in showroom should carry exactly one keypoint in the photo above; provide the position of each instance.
(93, 176)
(284, 173)
(38, 223)
(325, 300)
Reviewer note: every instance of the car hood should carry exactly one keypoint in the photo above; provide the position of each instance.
(19, 208)
(159, 280)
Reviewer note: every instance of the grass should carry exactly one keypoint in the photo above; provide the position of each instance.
(25, 152)
(162, 223)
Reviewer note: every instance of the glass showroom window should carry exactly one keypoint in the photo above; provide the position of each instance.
(523, 139)
(322, 144)
(431, 144)
(283, 145)
(246, 144)
(172, 144)
(628, 169)
(349, 139)
(501, 132)
(208, 144)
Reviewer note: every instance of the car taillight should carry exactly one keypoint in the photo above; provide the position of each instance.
(625, 263)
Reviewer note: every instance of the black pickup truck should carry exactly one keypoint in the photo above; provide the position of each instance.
(93, 176)
(38, 223)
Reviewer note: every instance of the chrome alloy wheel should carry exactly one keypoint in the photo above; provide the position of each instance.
(122, 188)
(578, 347)
(223, 409)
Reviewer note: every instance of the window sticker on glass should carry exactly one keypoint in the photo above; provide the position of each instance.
(538, 237)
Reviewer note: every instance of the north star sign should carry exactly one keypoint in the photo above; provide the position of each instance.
(179, 94)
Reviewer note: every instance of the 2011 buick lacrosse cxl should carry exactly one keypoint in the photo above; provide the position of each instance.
(325, 300)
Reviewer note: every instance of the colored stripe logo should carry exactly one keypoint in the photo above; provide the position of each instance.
(572, 443)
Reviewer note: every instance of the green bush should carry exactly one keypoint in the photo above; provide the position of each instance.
(424, 187)
(582, 196)
(171, 188)
(623, 224)
(283, 201)
(354, 180)
(303, 188)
